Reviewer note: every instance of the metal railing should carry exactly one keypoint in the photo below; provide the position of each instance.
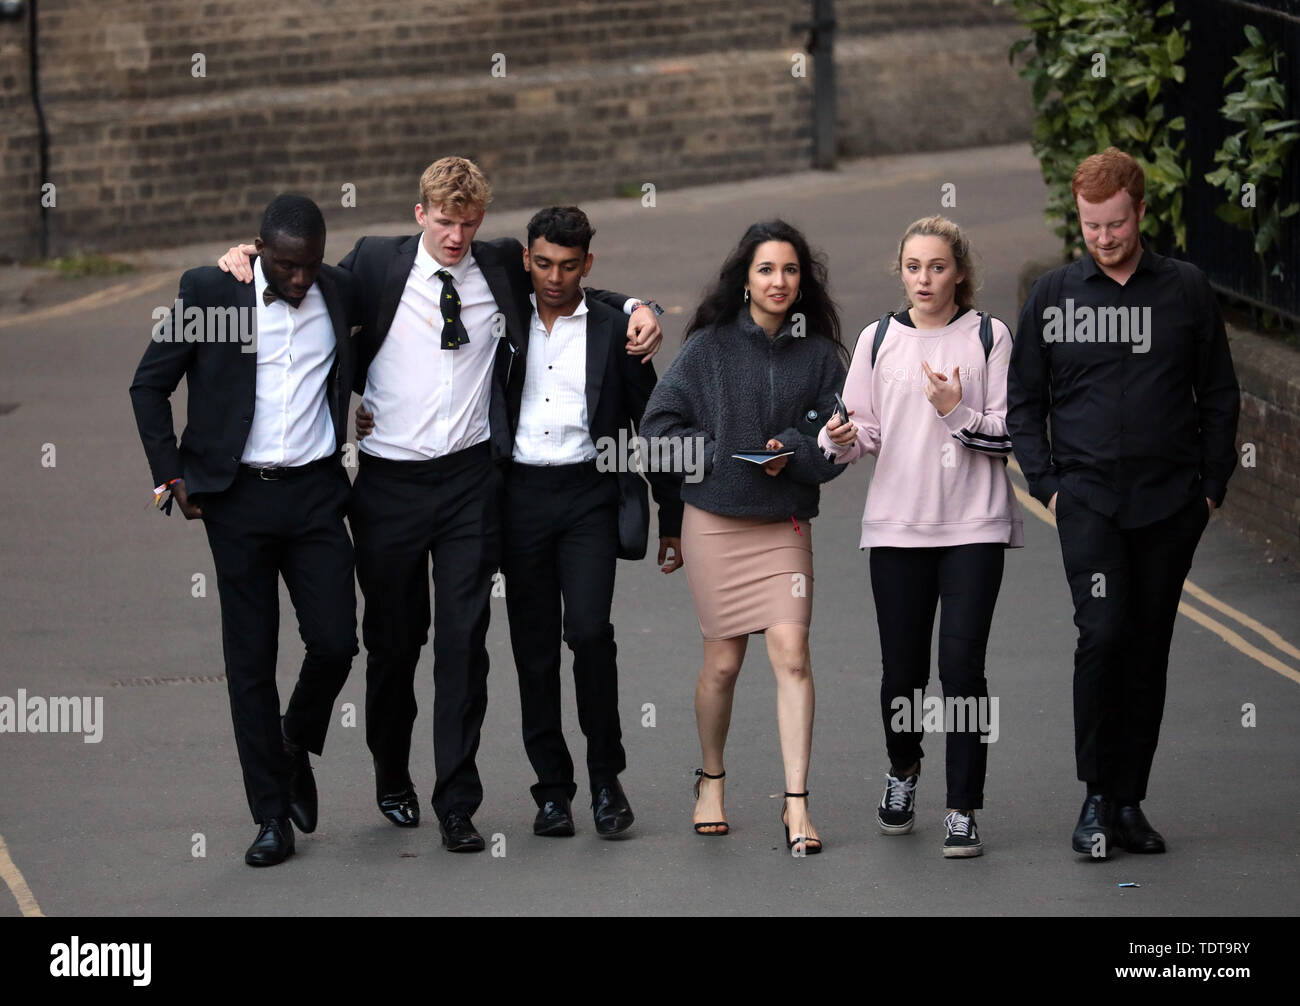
(1225, 253)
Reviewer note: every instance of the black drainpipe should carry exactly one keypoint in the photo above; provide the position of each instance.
(12, 10)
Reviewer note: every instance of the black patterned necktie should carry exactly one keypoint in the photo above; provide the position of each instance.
(453, 331)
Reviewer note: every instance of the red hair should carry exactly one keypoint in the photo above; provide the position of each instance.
(1102, 175)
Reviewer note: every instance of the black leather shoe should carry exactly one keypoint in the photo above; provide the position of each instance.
(1094, 820)
(273, 845)
(403, 809)
(1133, 831)
(302, 787)
(554, 819)
(612, 811)
(458, 833)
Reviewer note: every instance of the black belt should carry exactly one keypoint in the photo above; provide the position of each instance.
(271, 473)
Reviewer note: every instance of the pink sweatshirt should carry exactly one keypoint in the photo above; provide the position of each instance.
(939, 480)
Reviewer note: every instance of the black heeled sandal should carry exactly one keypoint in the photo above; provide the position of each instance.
(700, 775)
(811, 846)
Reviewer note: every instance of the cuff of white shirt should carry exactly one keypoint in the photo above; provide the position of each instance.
(630, 305)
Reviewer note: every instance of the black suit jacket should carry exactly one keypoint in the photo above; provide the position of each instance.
(382, 266)
(221, 381)
(618, 387)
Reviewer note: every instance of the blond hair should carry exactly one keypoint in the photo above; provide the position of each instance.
(962, 255)
(454, 184)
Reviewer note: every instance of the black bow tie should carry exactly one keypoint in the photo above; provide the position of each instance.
(453, 331)
(269, 297)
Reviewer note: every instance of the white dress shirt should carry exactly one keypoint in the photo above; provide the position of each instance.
(295, 351)
(428, 401)
(553, 421)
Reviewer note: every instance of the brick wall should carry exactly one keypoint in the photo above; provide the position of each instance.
(1265, 499)
(598, 96)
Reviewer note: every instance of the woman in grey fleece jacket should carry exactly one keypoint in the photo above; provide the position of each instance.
(760, 367)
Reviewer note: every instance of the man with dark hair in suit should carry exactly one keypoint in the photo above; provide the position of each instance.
(440, 325)
(258, 463)
(571, 391)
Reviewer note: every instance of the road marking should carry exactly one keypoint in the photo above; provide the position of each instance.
(13, 878)
(93, 301)
(1235, 641)
(1240, 616)
(1230, 637)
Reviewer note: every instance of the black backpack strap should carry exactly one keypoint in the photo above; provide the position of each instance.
(986, 333)
(882, 326)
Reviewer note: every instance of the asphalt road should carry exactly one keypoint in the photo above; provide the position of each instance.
(97, 601)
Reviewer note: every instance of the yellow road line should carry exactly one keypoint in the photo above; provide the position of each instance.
(1236, 642)
(94, 301)
(1230, 637)
(13, 878)
(1240, 616)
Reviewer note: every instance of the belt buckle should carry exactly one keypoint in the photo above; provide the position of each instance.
(262, 474)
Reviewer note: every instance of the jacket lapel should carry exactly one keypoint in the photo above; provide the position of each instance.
(503, 292)
(246, 301)
(399, 270)
(599, 341)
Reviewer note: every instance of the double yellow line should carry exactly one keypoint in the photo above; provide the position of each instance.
(1228, 635)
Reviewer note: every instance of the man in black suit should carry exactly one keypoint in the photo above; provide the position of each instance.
(571, 390)
(258, 463)
(441, 323)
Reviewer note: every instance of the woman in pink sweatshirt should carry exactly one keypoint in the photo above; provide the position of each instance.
(929, 399)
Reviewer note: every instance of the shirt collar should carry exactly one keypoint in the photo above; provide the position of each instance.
(578, 312)
(1149, 262)
(428, 266)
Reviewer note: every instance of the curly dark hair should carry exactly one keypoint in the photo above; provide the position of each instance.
(725, 298)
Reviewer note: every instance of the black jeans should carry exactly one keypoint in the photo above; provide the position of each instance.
(561, 543)
(1126, 584)
(259, 531)
(963, 580)
(403, 513)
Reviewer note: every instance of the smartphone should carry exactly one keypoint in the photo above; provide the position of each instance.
(841, 408)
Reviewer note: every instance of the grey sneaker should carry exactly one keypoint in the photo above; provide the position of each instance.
(897, 808)
(962, 838)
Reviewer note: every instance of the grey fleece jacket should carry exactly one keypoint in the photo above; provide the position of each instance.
(734, 387)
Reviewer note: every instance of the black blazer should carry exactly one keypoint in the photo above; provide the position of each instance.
(618, 387)
(220, 380)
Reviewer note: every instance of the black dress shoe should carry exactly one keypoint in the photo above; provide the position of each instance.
(1134, 832)
(274, 843)
(458, 833)
(1094, 820)
(302, 787)
(403, 809)
(612, 811)
(554, 819)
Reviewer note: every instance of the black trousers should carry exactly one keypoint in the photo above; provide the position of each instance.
(963, 580)
(403, 513)
(561, 544)
(1126, 585)
(259, 531)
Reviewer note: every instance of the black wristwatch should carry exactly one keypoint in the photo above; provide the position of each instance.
(651, 305)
